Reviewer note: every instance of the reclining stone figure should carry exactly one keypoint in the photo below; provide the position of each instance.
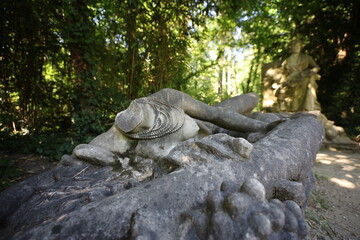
(160, 121)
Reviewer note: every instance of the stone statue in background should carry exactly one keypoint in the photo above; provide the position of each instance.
(151, 126)
(290, 86)
(293, 82)
(297, 91)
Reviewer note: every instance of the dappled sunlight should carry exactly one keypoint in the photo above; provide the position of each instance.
(349, 168)
(347, 163)
(338, 181)
(324, 161)
(343, 183)
(340, 168)
(348, 175)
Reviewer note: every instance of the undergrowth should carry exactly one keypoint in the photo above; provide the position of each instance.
(9, 173)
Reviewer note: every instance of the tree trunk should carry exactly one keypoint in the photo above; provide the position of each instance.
(81, 44)
(133, 66)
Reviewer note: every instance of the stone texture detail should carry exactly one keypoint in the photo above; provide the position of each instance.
(202, 189)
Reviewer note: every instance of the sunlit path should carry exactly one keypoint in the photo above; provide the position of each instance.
(335, 204)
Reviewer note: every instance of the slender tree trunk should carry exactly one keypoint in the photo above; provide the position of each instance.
(162, 53)
(222, 75)
(133, 66)
(80, 38)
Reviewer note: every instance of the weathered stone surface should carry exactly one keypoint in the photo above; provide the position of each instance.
(290, 190)
(95, 154)
(202, 189)
(242, 216)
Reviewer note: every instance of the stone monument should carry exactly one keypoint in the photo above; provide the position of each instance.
(172, 167)
(291, 85)
(153, 125)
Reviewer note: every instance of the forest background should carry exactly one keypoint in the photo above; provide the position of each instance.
(68, 66)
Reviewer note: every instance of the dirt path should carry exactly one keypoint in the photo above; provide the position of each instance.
(334, 208)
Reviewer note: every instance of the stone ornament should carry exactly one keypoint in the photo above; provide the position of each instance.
(245, 207)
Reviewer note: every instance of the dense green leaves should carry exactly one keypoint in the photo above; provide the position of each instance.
(331, 32)
(71, 65)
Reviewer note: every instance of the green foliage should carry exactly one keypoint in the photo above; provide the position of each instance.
(52, 144)
(68, 66)
(203, 92)
(9, 173)
(336, 48)
(331, 32)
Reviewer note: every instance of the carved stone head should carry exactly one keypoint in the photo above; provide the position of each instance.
(295, 46)
(149, 118)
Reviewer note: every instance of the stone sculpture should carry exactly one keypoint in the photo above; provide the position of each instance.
(214, 187)
(153, 125)
(291, 85)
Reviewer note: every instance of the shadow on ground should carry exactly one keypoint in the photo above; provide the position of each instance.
(334, 208)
